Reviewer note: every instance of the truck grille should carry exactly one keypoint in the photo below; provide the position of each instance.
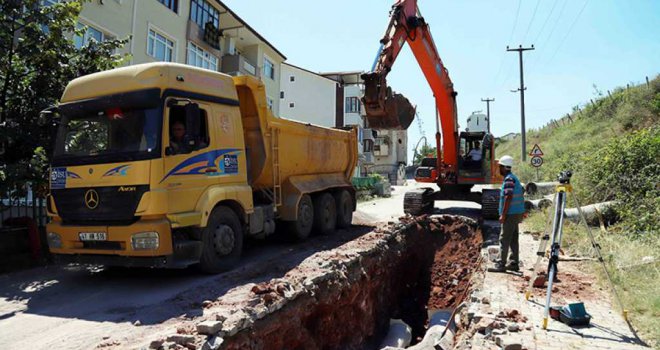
(102, 245)
(114, 204)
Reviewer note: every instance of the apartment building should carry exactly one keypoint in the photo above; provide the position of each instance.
(307, 96)
(203, 33)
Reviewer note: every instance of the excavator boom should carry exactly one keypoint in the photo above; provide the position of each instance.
(386, 110)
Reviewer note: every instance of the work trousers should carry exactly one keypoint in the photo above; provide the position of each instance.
(509, 239)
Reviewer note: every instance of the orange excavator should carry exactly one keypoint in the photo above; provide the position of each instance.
(464, 159)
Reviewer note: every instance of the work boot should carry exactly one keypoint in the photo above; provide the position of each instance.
(498, 267)
(512, 267)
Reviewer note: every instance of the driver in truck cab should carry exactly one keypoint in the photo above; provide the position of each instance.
(178, 141)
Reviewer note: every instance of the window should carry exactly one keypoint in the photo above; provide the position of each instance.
(90, 34)
(171, 4)
(200, 58)
(352, 105)
(269, 68)
(292, 105)
(201, 12)
(159, 47)
(292, 78)
(182, 138)
(281, 94)
(270, 103)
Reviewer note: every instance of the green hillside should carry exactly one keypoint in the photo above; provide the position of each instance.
(612, 145)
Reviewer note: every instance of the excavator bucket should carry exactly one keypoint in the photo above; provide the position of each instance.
(385, 110)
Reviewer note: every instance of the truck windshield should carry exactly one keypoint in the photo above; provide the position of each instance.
(109, 135)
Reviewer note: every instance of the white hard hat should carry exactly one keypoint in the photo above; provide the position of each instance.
(506, 161)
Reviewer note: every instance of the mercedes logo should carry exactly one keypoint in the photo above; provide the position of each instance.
(91, 199)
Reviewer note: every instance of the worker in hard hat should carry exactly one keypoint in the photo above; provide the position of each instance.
(511, 209)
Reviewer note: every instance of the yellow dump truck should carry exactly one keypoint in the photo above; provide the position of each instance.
(168, 165)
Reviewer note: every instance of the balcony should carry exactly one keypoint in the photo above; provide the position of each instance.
(238, 65)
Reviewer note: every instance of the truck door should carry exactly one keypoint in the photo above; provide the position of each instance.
(188, 152)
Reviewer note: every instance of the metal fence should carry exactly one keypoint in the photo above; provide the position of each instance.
(30, 205)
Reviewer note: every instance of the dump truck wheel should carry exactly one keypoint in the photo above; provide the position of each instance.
(222, 241)
(300, 229)
(344, 209)
(325, 213)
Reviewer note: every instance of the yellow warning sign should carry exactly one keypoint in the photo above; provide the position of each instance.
(536, 151)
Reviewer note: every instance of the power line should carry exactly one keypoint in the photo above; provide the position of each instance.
(531, 20)
(569, 30)
(554, 4)
(515, 23)
(554, 26)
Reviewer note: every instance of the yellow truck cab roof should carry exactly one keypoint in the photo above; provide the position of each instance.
(160, 75)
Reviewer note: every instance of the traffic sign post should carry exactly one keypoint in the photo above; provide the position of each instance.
(537, 158)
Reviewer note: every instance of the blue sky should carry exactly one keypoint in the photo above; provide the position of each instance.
(578, 43)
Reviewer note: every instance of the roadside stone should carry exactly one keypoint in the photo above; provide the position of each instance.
(508, 343)
(209, 327)
(212, 343)
(156, 344)
(181, 339)
(206, 303)
(499, 332)
(485, 300)
(137, 323)
(514, 327)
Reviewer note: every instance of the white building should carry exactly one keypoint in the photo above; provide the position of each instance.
(307, 96)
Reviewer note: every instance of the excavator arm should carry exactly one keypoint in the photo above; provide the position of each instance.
(386, 110)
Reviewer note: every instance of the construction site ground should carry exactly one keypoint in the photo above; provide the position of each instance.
(331, 292)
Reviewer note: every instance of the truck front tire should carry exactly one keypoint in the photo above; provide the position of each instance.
(222, 241)
(325, 213)
(344, 209)
(300, 229)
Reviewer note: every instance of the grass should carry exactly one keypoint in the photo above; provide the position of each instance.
(576, 142)
(637, 282)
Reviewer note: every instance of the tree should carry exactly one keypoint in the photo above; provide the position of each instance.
(425, 151)
(39, 58)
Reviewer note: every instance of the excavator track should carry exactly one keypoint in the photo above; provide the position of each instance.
(490, 202)
(418, 201)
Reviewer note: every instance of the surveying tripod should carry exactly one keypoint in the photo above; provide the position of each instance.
(559, 204)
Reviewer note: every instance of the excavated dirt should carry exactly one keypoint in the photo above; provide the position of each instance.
(344, 298)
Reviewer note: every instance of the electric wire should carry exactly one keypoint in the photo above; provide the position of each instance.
(569, 31)
(529, 26)
(554, 4)
(547, 38)
(515, 23)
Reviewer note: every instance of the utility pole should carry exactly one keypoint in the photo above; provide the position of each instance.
(522, 89)
(488, 101)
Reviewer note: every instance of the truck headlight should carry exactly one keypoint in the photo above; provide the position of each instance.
(145, 241)
(54, 240)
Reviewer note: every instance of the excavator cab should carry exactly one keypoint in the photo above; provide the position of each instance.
(475, 157)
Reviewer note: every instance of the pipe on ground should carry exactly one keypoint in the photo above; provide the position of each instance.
(540, 187)
(399, 335)
(593, 212)
(536, 204)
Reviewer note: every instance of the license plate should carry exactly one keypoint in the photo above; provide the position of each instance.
(93, 236)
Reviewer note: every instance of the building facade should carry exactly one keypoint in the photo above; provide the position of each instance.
(307, 96)
(203, 33)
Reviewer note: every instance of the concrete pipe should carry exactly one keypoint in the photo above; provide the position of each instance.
(540, 187)
(399, 335)
(591, 213)
(536, 204)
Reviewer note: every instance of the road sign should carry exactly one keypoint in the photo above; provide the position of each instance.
(536, 161)
(536, 151)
